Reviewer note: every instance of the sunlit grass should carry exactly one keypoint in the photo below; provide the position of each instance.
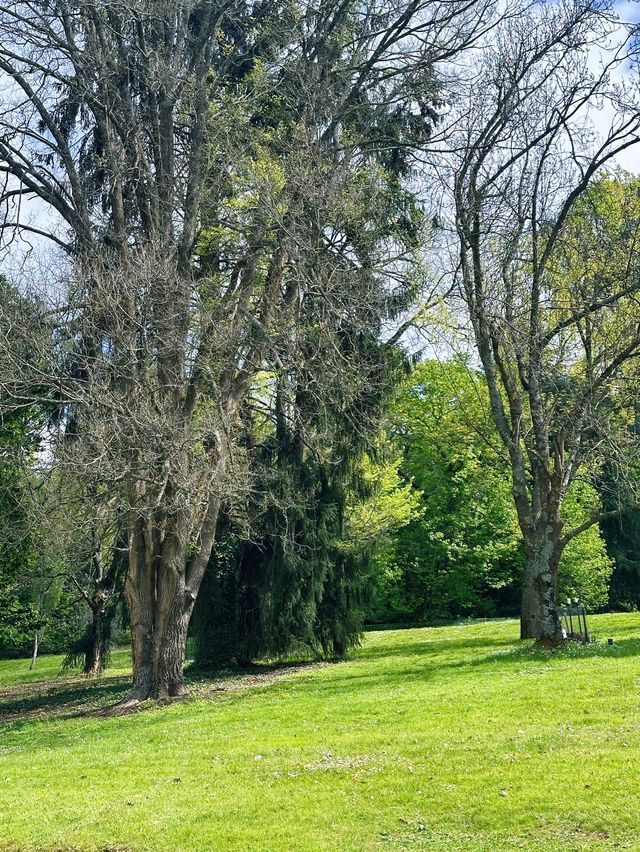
(50, 668)
(439, 738)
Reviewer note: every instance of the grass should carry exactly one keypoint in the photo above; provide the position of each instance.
(438, 738)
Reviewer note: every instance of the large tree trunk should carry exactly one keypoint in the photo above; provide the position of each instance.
(539, 618)
(529, 607)
(161, 591)
(159, 639)
(160, 611)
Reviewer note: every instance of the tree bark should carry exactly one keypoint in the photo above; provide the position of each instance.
(539, 618)
(159, 649)
(528, 605)
(161, 590)
(36, 645)
(98, 644)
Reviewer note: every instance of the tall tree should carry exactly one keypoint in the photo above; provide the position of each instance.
(292, 586)
(547, 261)
(278, 130)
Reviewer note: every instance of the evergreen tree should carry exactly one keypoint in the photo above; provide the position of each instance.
(622, 536)
(17, 617)
(295, 589)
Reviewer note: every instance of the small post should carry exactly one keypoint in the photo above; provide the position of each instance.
(34, 656)
(586, 630)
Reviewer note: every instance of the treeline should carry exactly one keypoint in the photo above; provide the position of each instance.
(417, 527)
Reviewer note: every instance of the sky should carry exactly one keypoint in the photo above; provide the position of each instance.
(628, 11)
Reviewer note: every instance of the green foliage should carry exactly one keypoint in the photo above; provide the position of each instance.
(622, 535)
(33, 595)
(597, 258)
(460, 550)
(292, 592)
(622, 532)
(18, 615)
(391, 504)
(298, 584)
(585, 567)
(465, 543)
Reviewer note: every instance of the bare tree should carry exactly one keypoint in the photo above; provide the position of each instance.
(553, 329)
(228, 179)
(89, 539)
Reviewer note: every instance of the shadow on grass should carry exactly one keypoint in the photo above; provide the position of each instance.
(431, 661)
(468, 650)
(195, 674)
(420, 660)
(571, 651)
(72, 697)
(84, 697)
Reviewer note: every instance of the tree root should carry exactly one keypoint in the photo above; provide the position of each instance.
(137, 701)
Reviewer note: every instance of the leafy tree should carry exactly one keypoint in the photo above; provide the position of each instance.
(461, 552)
(622, 535)
(390, 503)
(465, 541)
(585, 566)
(621, 530)
(16, 544)
(37, 609)
(25, 599)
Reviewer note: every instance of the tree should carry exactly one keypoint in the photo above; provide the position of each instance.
(547, 263)
(464, 541)
(585, 566)
(288, 589)
(621, 531)
(25, 596)
(622, 534)
(297, 582)
(37, 609)
(16, 541)
(229, 182)
(457, 548)
(95, 556)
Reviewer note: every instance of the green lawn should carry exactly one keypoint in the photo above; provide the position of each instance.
(440, 738)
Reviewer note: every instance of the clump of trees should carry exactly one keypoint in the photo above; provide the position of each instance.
(235, 196)
(459, 550)
(229, 184)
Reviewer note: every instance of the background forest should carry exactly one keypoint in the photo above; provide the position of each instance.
(423, 529)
